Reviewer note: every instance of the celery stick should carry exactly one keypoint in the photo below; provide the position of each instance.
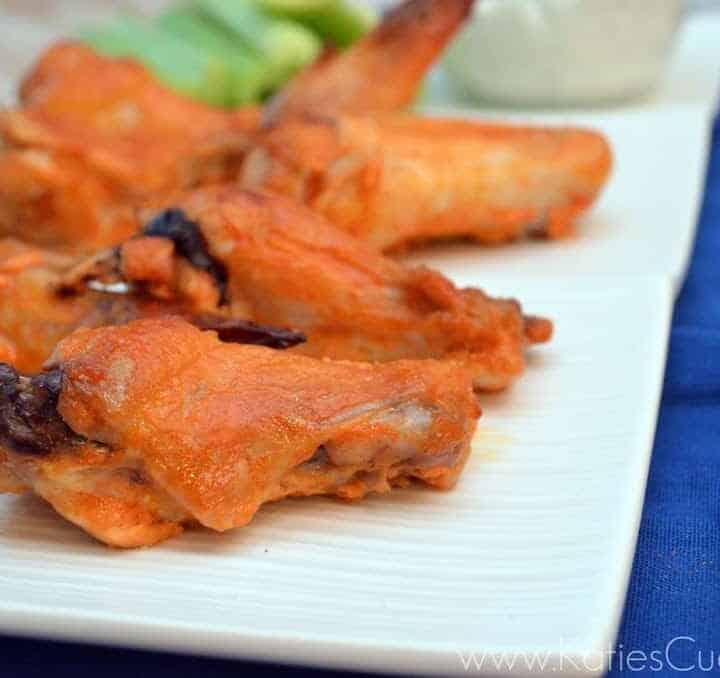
(182, 67)
(342, 24)
(285, 46)
(335, 21)
(294, 8)
(249, 74)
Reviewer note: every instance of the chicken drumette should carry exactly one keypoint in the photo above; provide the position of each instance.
(136, 431)
(78, 158)
(234, 255)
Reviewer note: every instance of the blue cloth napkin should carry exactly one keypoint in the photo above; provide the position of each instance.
(671, 624)
(673, 605)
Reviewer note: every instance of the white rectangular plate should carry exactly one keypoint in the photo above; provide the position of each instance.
(530, 552)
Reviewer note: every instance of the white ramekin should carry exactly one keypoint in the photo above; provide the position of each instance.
(556, 52)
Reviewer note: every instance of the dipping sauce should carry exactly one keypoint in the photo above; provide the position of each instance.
(558, 52)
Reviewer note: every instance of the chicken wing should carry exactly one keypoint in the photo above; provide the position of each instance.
(79, 158)
(37, 309)
(396, 180)
(33, 317)
(235, 255)
(382, 72)
(334, 139)
(268, 259)
(141, 429)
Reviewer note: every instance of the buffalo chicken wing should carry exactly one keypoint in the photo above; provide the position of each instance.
(241, 255)
(394, 181)
(139, 430)
(93, 139)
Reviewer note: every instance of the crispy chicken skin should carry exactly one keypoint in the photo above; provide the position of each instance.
(127, 124)
(154, 425)
(38, 309)
(382, 72)
(55, 200)
(334, 139)
(270, 260)
(238, 255)
(33, 317)
(79, 158)
(396, 180)
(35, 313)
(287, 266)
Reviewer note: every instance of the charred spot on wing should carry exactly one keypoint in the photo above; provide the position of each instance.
(29, 420)
(234, 331)
(190, 243)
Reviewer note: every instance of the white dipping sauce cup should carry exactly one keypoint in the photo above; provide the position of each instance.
(556, 52)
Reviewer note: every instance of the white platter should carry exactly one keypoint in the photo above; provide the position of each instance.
(531, 552)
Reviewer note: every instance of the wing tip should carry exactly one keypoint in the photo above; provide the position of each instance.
(538, 330)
